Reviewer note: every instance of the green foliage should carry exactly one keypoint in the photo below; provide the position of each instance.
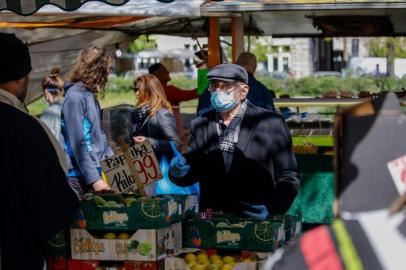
(141, 43)
(37, 107)
(119, 90)
(260, 47)
(315, 87)
(378, 47)
(183, 82)
(316, 140)
(119, 84)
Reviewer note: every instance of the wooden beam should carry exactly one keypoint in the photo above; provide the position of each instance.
(237, 32)
(214, 42)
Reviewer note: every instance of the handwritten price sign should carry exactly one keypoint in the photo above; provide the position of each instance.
(145, 169)
(397, 169)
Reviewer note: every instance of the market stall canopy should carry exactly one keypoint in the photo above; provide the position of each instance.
(281, 18)
(55, 36)
(28, 7)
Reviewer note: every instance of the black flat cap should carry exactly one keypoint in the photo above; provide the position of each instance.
(15, 60)
(228, 73)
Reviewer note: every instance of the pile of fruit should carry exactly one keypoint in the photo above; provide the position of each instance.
(99, 201)
(306, 148)
(204, 261)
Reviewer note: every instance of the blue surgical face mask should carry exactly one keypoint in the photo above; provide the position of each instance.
(223, 101)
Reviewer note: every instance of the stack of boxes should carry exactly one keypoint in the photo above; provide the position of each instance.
(126, 228)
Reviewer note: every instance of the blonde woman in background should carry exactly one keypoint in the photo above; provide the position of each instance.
(153, 119)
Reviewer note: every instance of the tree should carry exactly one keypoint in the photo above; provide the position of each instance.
(378, 47)
(141, 43)
(261, 47)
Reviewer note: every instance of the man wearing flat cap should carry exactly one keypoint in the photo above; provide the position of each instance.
(241, 154)
(36, 202)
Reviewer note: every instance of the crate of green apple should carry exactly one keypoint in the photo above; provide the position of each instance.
(207, 260)
(233, 233)
(126, 212)
(139, 245)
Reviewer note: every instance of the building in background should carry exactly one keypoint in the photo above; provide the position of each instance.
(287, 57)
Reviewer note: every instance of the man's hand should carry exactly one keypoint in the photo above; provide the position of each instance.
(100, 185)
(258, 212)
(178, 166)
(139, 139)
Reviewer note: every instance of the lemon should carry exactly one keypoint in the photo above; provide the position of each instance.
(213, 267)
(214, 257)
(228, 259)
(226, 267)
(218, 262)
(202, 257)
(190, 257)
(123, 236)
(198, 266)
(110, 236)
(247, 260)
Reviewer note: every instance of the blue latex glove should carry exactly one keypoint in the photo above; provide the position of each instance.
(261, 213)
(178, 166)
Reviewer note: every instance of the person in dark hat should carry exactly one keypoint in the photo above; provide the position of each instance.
(37, 201)
(241, 154)
(258, 95)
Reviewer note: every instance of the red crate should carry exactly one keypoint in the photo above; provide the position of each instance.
(82, 265)
(159, 265)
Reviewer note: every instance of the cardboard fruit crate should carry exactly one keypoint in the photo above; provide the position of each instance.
(130, 212)
(159, 265)
(213, 233)
(125, 213)
(266, 235)
(230, 232)
(58, 245)
(190, 259)
(182, 206)
(142, 245)
(293, 227)
(96, 265)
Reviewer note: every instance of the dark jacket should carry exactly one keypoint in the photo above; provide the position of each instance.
(36, 200)
(258, 95)
(160, 129)
(263, 170)
(83, 139)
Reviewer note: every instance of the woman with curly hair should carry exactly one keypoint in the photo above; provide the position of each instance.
(84, 141)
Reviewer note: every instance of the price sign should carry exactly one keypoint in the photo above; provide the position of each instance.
(397, 169)
(145, 163)
(144, 168)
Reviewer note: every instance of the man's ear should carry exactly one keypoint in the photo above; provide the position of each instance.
(244, 91)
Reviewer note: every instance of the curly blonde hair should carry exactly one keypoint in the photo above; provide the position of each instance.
(92, 68)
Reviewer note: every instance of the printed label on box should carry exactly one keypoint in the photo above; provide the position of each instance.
(227, 236)
(110, 217)
(397, 169)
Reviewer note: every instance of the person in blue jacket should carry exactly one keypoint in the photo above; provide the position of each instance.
(52, 86)
(259, 94)
(83, 138)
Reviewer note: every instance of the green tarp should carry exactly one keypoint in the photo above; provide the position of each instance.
(316, 195)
